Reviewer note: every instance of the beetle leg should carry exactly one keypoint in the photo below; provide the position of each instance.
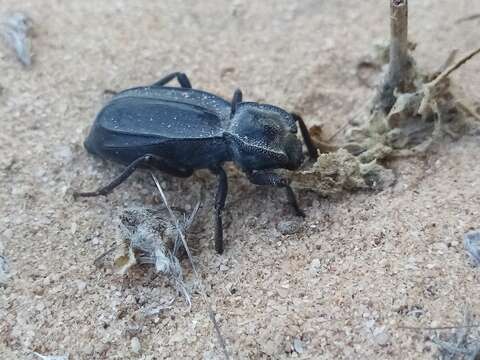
(312, 150)
(181, 78)
(145, 160)
(273, 179)
(236, 99)
(220, 198)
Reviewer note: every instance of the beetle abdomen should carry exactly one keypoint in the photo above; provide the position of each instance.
(183, 133)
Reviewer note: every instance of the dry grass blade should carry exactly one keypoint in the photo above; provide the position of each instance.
(468, 18)
(439, 327)
(462, 342)
(197, 277)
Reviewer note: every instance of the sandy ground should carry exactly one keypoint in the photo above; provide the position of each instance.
(361, 267)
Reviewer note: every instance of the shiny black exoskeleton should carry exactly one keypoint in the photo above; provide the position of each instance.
(179, 129)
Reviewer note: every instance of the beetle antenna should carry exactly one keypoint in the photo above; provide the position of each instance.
(236, 99)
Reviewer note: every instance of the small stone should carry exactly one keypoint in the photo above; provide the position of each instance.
(81, 286)
(47, 281)
(135, 345)
(298, 345)
(288, 227)
(73, 228)
(4, 270)
(315, 266)
(63, 153)
(472, 245)
(381, 336)
(224, 268)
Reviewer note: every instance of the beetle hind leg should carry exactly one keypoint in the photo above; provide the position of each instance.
(146, 160)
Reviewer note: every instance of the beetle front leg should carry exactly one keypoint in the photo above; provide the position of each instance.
(273, 179)
(181, 78)
(220, 198)
(312, 150)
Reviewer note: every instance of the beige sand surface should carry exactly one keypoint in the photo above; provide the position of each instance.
(362, 265)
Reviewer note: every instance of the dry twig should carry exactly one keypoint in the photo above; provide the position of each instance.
(211, 313)
(398, 76)
(429, 88)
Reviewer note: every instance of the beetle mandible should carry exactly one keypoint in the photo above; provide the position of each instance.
(179, 129)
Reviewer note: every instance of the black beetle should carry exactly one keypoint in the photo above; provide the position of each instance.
(179, 129)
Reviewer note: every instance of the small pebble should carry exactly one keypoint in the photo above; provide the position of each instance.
(315, 266)
(471, 241)
(288, 227)
(381, 336)
(298, 345)
(135, 345)
(81, 285)
(4, 269)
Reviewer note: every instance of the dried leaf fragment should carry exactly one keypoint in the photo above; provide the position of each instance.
(16, 30)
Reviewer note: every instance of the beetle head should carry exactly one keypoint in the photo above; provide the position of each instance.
(264, 137)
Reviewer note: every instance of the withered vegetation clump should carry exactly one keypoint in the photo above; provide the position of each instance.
(410, 111)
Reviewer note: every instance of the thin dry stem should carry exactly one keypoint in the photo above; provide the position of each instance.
(211, 313)
(399, 67)
(398, 44)
(468, 109)
(444, 74)
(429, 88)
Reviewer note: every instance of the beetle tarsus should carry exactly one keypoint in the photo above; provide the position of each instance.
(109, 92)
(292, 200)
(220, 198)
(89, 194)
(236, 99)
(182, 79)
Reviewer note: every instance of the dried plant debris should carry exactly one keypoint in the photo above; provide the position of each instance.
(410, 110)
(417, 118)
(16, 29)
(462, 342)
(150, 237)
(338, 171)
(51, 357)
(471, 241)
